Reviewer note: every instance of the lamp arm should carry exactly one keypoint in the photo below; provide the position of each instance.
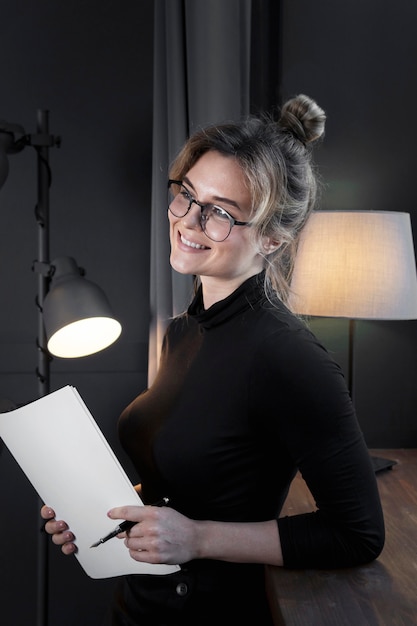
(45, 269)
(43, 139)
(36, 140)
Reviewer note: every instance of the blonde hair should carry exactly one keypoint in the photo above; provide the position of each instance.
(276, 159)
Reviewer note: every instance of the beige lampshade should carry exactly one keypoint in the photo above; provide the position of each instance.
(356, 264)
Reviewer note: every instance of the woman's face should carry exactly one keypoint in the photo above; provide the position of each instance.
(216, 179)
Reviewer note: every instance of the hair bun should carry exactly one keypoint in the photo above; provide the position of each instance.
(303, 118)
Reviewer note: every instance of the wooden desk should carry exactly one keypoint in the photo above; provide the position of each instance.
(383, 593)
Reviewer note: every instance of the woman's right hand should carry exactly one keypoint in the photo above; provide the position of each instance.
(58, 529)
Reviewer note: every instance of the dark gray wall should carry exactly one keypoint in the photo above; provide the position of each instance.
(90, 64)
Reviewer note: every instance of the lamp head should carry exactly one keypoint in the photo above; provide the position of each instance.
(77, 315)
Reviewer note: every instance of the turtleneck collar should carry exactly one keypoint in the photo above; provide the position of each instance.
(243, 298)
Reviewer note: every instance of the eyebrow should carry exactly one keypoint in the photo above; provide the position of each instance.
(219, 199)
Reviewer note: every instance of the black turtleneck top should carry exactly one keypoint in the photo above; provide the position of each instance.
(245, 396)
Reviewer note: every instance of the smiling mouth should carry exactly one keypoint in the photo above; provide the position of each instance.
(190, 244)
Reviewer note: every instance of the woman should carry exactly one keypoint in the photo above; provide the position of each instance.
(245, 395)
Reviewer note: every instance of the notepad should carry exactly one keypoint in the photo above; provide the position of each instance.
(66, 457)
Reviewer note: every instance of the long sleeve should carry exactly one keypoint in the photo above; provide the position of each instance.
(320, 431)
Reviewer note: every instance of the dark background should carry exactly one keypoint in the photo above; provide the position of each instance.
(90, 65)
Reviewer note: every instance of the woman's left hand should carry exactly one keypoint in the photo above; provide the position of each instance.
(160, 535)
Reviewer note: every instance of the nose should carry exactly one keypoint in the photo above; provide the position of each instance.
(193, 216)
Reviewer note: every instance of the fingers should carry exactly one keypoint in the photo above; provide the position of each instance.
(59, 531)
(69, 547)
(133, 512)
(61, 536)
(126, 512)
(47, 512)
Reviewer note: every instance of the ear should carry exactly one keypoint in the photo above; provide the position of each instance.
(270, 245)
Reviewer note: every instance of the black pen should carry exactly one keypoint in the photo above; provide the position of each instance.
(126, 525)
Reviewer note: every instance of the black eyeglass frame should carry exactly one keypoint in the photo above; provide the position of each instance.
(202, 206)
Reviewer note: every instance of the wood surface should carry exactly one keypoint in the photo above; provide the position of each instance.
(383, 593)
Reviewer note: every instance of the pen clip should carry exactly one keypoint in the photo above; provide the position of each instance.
(161, 502)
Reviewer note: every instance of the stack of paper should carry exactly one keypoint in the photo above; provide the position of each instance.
(66, 457)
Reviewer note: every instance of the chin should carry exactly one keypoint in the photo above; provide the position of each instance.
(180, 268)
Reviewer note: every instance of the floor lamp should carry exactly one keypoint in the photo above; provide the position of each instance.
(356, 265)
(74, 316)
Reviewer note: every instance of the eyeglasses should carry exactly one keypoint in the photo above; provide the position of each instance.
(214, 221)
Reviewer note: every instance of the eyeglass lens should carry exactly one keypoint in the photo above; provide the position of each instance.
(214, 221)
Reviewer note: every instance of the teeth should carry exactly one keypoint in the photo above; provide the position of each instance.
(191, 244)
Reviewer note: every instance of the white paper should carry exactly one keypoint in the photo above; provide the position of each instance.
(66, 457)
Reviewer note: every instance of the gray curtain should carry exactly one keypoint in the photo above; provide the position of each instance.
(201, 75)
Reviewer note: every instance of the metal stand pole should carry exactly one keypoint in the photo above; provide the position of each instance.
(42, 215)
(350, 358)
(378, 463)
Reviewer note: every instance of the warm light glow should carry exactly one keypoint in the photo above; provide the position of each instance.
(356, 264)
(84, 337)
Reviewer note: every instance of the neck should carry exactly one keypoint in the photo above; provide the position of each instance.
(216, 289)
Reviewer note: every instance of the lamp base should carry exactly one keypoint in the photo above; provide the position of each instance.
(379, 464)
